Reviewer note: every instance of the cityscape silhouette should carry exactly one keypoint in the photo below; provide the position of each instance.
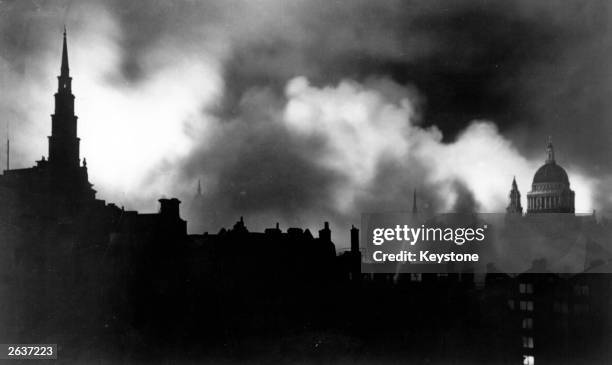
(112, 285)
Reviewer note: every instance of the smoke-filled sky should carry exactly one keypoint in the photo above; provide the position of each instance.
(305, 111)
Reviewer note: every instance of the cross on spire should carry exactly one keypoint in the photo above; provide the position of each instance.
(550, 152)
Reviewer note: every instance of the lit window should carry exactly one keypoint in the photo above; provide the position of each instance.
(526, 305)
(527, 323)
(416, 277)
(528, 360)
(527, 342)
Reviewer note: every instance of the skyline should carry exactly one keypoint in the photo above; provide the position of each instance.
(346, 174)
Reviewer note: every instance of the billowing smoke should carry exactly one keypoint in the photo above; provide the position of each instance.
(306, 111)
(333, 152)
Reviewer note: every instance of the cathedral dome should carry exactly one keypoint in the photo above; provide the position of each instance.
(550, 191)
(550, 172)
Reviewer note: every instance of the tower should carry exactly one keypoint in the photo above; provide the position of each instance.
(354, 239)
(63, 142)
(325, 233)
(515, 199)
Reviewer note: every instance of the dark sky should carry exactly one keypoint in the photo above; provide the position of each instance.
(278, 134)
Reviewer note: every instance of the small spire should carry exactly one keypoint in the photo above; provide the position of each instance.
(515, 199)
(199, 193)
(550, 152)
(414, 203)
(65, 70)
(8, 146)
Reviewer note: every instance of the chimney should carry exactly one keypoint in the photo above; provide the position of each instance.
(325, 233)
(354, 239)
(169, 208)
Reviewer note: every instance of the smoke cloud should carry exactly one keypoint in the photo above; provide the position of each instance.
(308, 111)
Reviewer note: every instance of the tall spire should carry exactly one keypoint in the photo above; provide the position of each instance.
(65, 71)
(414, 203)
(63, 142)
(199, 192)
(550, 152)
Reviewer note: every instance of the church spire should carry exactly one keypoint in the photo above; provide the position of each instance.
(550, 152)
(65, 70)
(63, 142)
(515, 199)
(414, 203)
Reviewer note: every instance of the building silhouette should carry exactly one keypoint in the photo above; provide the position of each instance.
(557, 318)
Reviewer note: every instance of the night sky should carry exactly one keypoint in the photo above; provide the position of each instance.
(305, 111)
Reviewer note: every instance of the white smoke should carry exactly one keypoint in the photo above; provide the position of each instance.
(134, 135)
(366, 125)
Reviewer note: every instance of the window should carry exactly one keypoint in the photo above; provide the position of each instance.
(511, 304)
(527, 342)
(528, 360)
(526, 305)
(525, 288)
(416, 277)
(527, 323)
